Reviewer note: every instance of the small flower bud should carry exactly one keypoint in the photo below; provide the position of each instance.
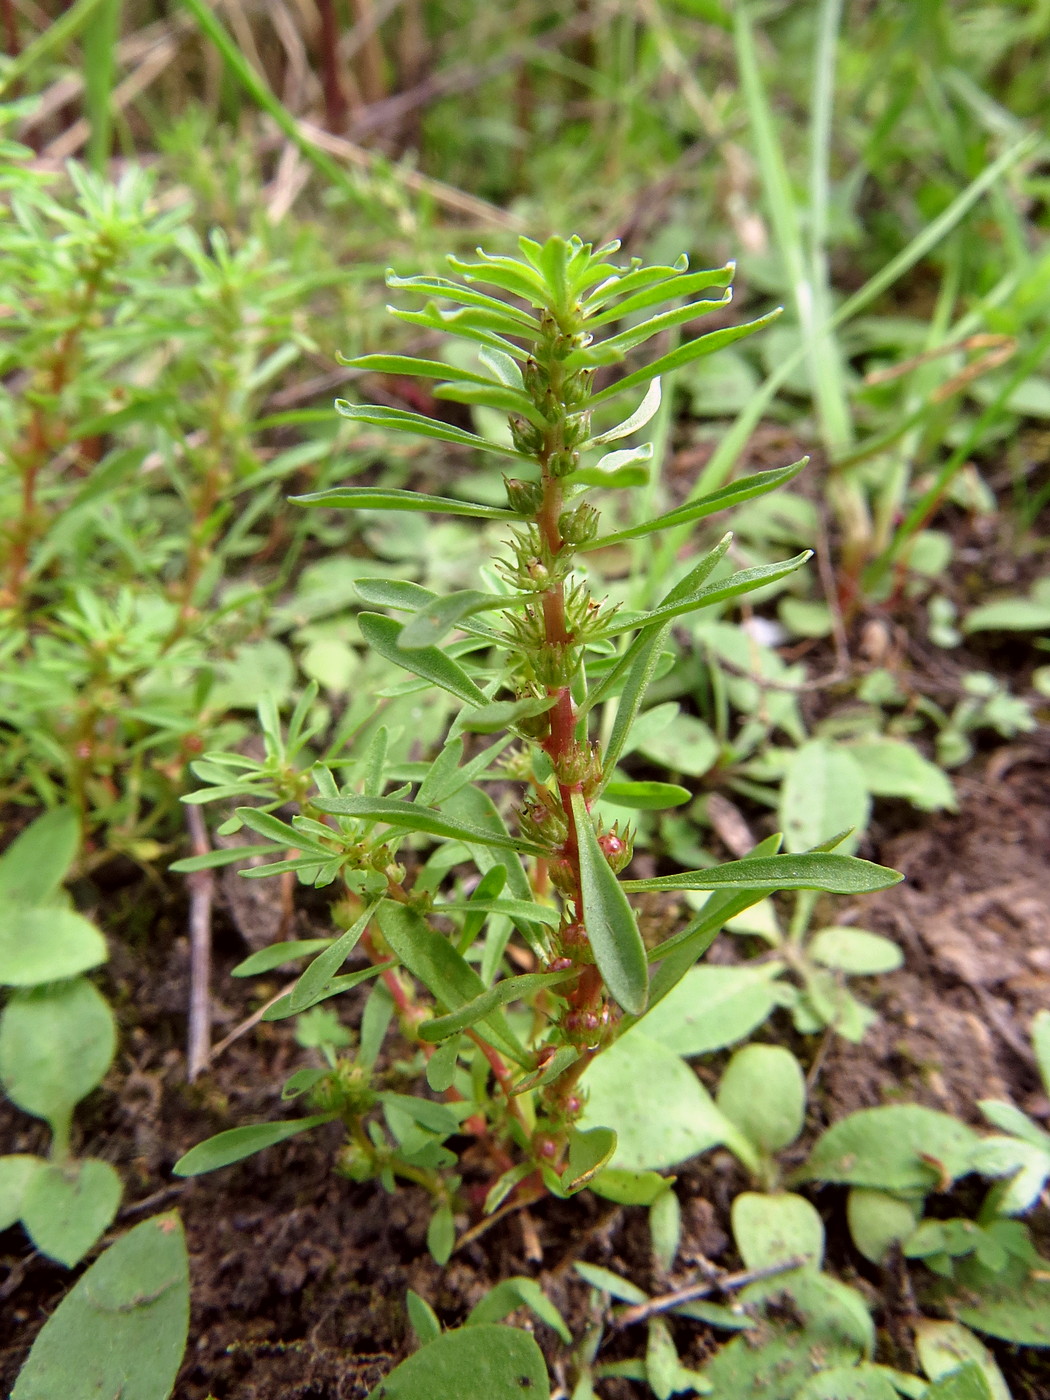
(526, 436)
(525, 497)
(563, 463)
(578, 526)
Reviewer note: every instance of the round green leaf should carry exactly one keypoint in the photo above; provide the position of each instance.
(769, 1229)
(763, 1091)
(122, 1328)
(944, 1347)
(849, 1383)
(652, 1100)
(483, 1362)
(56, 1043)
(46, 945)
(65, 1209)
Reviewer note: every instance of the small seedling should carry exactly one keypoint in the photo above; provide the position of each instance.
(57, 1040)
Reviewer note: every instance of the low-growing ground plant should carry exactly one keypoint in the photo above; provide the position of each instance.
(57, 1040)
(507, 1031)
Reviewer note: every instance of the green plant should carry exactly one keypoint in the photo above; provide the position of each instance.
(121, 1330)
(57, 1040)
(990, 1274)
(539, 661)
(135, 362)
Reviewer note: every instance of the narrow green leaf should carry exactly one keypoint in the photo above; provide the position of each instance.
(230, 855)
(449, 978)
(510, 989)
(383, 634)
(377, 498)
(518, 909)
(395, 811)
(614, 348)
(681, 284)
(408, 364)
(637, 420)
(609, 919)
(684, 355)
(224, 1149)
(279, 955)
(516, 320)
(438, 618)
(282, 1008)
(646, 796)
(495, 396)
(608, 1282)
(744, 489)
(809, 871)
(276, 830)
(419, 425)
(743, 581)
(323, 968)
(639, 662)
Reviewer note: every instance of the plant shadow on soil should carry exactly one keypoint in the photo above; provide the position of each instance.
(299, 1276)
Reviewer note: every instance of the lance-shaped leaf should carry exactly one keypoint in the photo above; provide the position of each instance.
(224, 1149)
(743, 581)
(483, 327)
(519, 909)
(438, 618)
(408, 364)
(509, 274)
(497, 396)
(475, 1010)
(377, 498)
(282, 1008)
(449, 978)
(560, 1061)
(501, 367)
(279, 955)
(396, 811)
(617, 468)
(324, 967)
(614, 348)
(637, 420)
(449, 290)
(608, 918)
(745, 489)
(808, 871)
(684, 355)
(647, 796)
(383, 635)
(628, 281)
(419, 425)
(641, 658)
(680, 286)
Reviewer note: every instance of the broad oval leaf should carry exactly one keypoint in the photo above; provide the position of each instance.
(46, 945)
(122, 1328)
(35, 863)
(590, 1149)
(65, 1209)
(770, 1229)
(487, 1361)
(609, 920)
(763, 1091)
(902, 1148)
(56, 1043)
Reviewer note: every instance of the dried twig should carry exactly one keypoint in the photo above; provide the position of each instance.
(201, 885)
(724, 1283)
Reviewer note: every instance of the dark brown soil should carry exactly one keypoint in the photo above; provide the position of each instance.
(299, 1276)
